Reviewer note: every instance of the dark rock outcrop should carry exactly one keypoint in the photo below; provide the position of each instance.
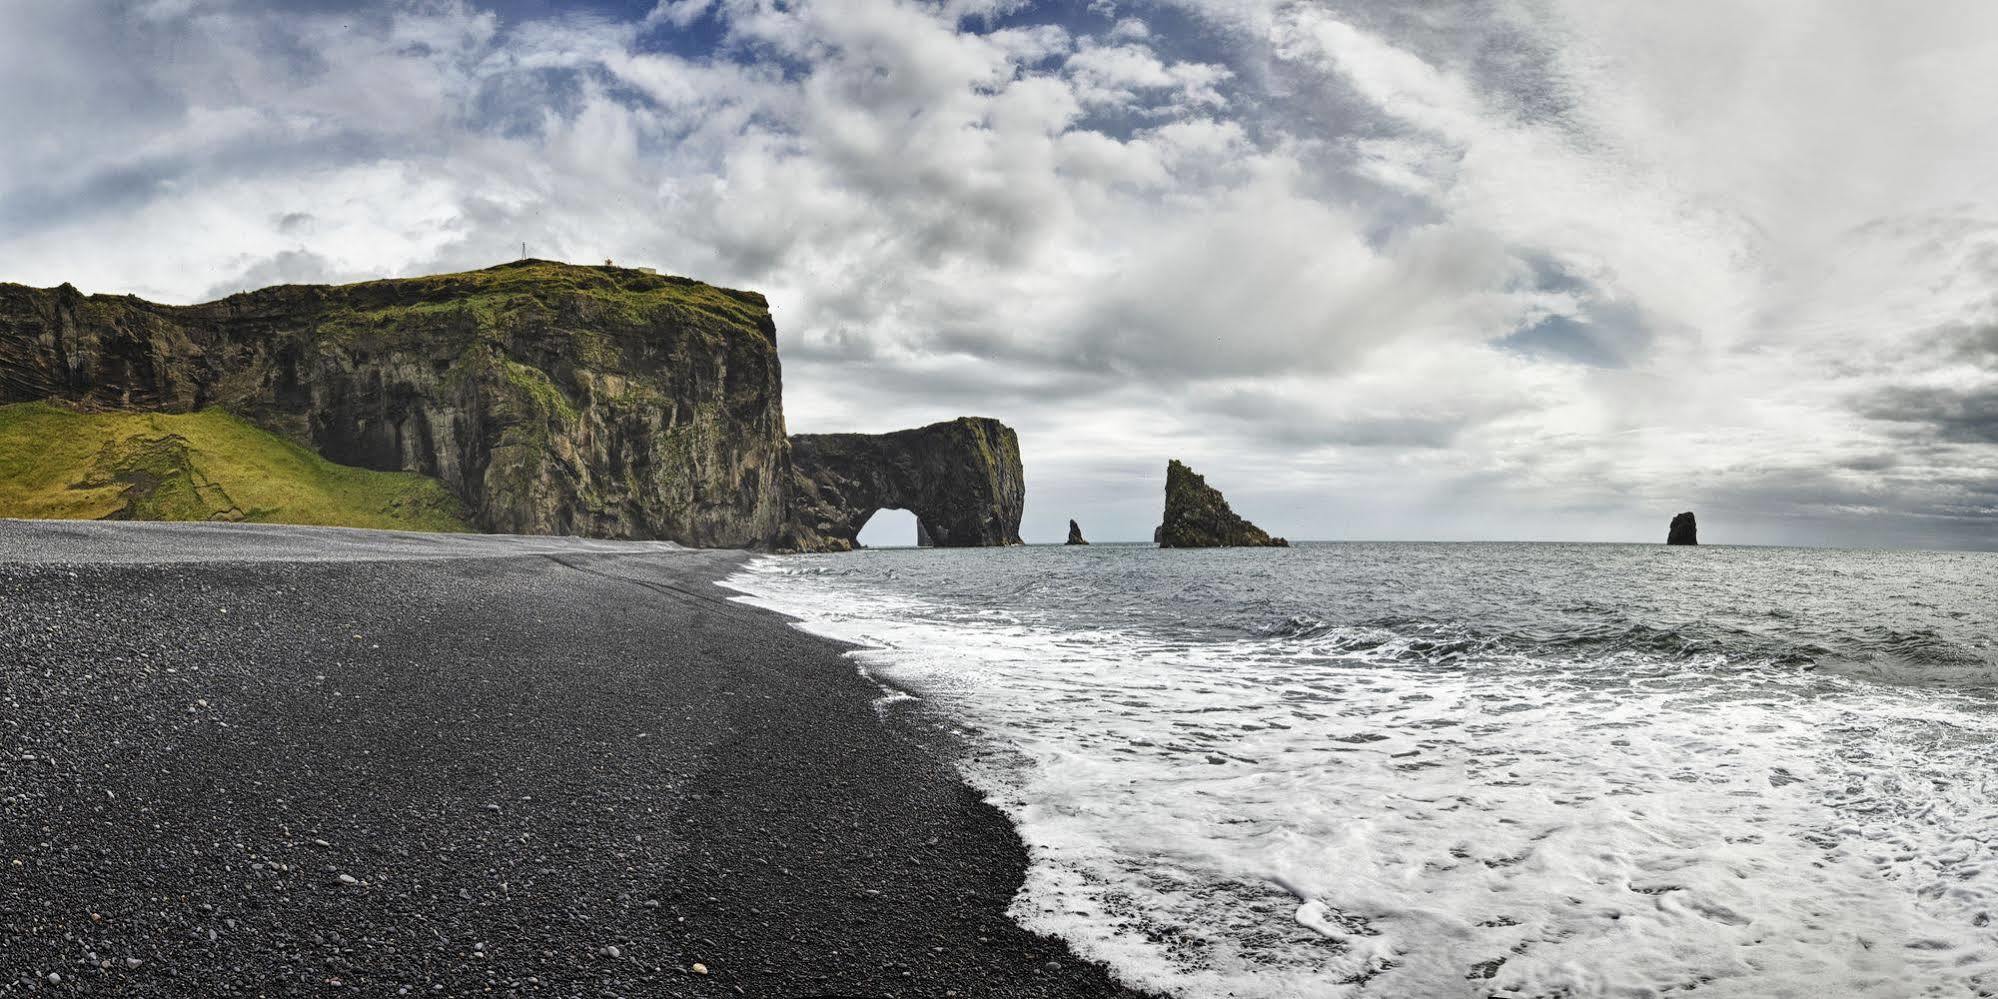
(923, 539)
(550, 398)
(1684, 530)
(1196, 516)
(1075, 534)
(962, 479)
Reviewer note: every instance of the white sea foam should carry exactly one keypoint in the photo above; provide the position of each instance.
(1289, 818)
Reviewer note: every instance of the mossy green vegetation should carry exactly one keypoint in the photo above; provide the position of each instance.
(539, 294)
(56, 463)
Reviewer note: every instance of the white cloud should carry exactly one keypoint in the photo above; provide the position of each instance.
(1439, 269)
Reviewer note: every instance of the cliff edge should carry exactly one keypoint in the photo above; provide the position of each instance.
(549, 398)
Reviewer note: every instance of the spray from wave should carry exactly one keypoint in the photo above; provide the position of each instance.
(1492, 770)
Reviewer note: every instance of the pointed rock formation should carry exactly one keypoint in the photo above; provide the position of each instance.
(923, 539)
(1685, 531)
(1075, 534)
(1196, 516)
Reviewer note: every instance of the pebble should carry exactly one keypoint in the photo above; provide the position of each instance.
(699, 968)
(349, 879)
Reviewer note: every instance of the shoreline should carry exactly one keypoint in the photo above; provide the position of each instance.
(549, 773)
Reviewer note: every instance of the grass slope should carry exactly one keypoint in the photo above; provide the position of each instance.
(56, 464)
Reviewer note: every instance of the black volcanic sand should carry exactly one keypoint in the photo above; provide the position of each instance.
(294, 762)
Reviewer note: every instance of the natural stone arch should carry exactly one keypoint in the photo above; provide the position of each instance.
(962, 479)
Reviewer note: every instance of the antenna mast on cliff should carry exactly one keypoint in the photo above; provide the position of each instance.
(523, 249)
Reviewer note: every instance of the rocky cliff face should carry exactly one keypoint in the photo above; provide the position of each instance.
(962, 479)
(551, 398)
(1196, 516)
(1075, 534)
(1684, 530)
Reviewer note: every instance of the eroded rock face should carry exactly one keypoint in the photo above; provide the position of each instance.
(1684, 530)
(1196, 516)
(552, 399)
(1075, 534)
(962, 479)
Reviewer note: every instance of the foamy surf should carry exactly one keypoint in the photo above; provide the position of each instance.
(1347, 810)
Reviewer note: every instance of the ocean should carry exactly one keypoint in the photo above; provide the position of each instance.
(1464, 769)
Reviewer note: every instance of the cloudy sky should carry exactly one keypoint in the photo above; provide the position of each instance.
(1522, 269)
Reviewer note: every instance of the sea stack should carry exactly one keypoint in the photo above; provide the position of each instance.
(1196, 516)
(1075, 534)
(1685, 531)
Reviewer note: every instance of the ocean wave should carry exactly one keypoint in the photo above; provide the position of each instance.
(1356, 799)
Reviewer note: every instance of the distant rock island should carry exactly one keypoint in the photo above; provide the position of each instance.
(1684, 530)
(545, 398)
(1197, 516)
(1075, 534)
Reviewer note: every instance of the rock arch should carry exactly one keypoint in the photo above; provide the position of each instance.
(962, 479)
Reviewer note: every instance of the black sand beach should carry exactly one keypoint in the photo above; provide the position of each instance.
(286, 761)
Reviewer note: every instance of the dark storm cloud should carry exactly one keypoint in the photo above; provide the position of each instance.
(1946, 414)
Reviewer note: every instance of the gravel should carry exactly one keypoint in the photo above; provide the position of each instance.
(281, 761)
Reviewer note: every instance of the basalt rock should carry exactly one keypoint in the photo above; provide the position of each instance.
(962, 479)
(1075, 534)
(550, 398)
(1196, 516)
(1684, 530)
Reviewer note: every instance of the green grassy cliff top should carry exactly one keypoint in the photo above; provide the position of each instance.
(620, 293)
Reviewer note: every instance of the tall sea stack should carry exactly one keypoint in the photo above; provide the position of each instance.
(1075, 534)
(1196, 516)
(1685, 531)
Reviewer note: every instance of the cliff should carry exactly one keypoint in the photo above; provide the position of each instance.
(962, 479)
(1684, 530)
(548, 398)
(1197, 516)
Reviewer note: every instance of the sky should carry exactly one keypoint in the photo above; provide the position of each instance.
(1421, 269)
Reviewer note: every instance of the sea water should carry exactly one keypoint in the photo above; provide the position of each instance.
(1466, 769)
